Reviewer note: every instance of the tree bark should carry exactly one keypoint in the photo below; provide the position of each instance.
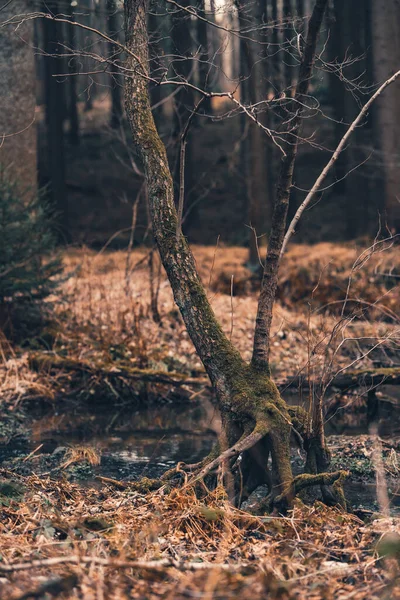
(385, 15)
(260, 358)
(55, 112)
(258, 156)
(18, 100)
(256, 421)
(116, 79)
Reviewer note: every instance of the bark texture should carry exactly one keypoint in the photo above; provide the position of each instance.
(17, 98)
(116, 82)
(256, 421)
(254, 88)
(260, 358)
(385, 15)
(55, 114)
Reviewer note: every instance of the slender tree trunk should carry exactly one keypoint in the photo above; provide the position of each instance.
(88, 19)
(55, 103)
(18, 100)
(205, 69)
(276, 77)
(156, 52)
(385, 16)
(254, 88)
(116, 79)
(72, 89)
(182, 42)
(260, 359)
(347, 27)
(288, 33)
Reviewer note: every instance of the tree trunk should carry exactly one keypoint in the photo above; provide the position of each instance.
(205, 68)
(256, 421)
(385, 15)
(260, 358)
(73, 97)
(18, 100)
(116, 79)
(347, 39)
(288, 34)
(55, 110)
(182, 47)
(254, 90)
(87, 44)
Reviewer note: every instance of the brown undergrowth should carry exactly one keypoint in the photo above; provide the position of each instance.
(108, 543)
(105, 317)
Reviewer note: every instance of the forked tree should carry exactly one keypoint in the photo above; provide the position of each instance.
(257, 424)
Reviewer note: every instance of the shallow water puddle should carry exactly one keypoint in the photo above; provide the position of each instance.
(133, 443)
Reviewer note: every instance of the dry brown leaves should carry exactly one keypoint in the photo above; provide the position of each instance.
(314, 553)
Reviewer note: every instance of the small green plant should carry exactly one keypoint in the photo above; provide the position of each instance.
(30, 270)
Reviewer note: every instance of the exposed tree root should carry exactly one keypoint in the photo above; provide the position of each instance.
(306, 480)
(242, 445)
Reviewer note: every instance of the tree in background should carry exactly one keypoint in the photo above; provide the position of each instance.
(73, 114)
(385, 16)
(55, 115)
(116, 81)
(182, 69)
(17, 98)
(254, 90)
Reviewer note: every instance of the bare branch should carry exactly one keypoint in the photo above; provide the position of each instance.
(363, 112)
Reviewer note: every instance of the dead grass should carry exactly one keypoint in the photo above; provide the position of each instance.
(190, 547)
(105, 319)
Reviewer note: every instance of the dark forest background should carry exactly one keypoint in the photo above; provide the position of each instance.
(80, 143)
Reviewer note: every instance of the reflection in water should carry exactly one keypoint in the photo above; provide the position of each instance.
(163, 434)
(148, 441)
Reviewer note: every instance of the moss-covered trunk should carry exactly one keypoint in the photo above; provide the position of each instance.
(256, 421)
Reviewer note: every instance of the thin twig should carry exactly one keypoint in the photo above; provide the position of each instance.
(341, 146)
(181, 200)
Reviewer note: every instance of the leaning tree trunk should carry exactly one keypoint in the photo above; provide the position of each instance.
(256, 421)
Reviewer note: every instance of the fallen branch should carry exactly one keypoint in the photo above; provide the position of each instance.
(53, 362)
(344, 381)
(150, 565)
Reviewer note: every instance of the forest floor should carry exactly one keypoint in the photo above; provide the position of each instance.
(110, 344)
